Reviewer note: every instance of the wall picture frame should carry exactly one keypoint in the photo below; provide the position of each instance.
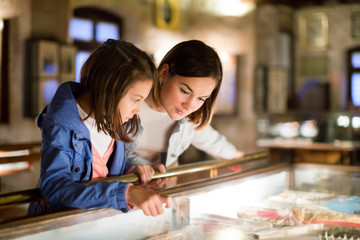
(277, 86)
(314, 31)
(167, 14)
(47, 58)
(226, 103)
(355, 25)
(67, 62)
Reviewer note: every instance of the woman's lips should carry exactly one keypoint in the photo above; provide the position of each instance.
(180, 112)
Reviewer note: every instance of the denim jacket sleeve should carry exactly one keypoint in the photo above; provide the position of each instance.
(133, 157)
(66, 160)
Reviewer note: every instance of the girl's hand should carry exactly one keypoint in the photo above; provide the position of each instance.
(145, 173)
(149, 202)
(157, 183)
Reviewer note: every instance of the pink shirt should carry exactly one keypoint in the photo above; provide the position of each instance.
(99, 163)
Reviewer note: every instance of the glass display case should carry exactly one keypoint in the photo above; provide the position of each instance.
(254, 200)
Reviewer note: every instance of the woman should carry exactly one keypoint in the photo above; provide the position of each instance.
(179, 109)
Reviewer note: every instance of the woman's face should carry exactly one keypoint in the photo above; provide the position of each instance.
(130, 104)
(181, 96)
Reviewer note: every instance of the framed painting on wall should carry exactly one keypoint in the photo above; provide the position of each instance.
(226, 104)
(277, 90)
(47, 58)
(67, 62)
(355, 25)
(314, 31)
(167, 13)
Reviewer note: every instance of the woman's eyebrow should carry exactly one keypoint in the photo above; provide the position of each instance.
(188, 87)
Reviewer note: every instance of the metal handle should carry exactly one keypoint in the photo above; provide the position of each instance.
(30, 195)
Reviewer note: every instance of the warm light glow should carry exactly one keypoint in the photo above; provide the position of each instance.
(231, 233)
(229, 7)
(1, 25)
(343, 121)
(8, 167)
(226, 200)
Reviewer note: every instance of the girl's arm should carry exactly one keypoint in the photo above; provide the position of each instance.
(64, 163)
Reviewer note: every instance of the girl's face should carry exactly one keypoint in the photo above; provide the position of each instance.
(130, 104)
(181, 96)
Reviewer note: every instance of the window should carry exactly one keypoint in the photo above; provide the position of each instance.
(89, 28)
(4, 69)
(354, 77)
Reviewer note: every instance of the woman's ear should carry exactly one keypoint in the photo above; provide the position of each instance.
(163, 71)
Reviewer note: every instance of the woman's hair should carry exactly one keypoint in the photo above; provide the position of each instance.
(108, 74)
(193, 59)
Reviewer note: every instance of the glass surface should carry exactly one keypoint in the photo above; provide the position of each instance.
(80, 58)
(81, 29)
(106, 30)
(264, 204)
(355, 89)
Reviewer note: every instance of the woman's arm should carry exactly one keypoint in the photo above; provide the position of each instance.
(215, 144)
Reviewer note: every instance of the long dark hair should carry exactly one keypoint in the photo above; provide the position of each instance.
(108, 74)
(193, 58)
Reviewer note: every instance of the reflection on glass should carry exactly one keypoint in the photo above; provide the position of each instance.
(343, 121)
(308, 129)
(355, 89)
(49, 88)
(355, 122)
(355, 60)
(105, 31)
(81, 57)
(81, 29)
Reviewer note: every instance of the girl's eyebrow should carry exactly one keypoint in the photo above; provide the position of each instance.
(189, 88)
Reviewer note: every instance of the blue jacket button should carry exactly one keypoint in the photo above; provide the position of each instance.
(77, 169)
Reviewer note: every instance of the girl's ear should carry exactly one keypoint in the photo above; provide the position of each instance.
(163, 71)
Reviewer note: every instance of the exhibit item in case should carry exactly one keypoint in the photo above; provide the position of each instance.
(262, 201)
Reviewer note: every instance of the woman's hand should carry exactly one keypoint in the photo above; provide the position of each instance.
(149, 202)
(162, 182)
(145, 173)
(239, 154)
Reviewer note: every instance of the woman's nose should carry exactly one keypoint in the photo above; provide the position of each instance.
(189, 104)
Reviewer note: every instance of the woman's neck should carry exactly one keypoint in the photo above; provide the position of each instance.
(150, 102)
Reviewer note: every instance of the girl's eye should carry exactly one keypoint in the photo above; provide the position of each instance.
(136, 100)
(202, 99)
(182, 90)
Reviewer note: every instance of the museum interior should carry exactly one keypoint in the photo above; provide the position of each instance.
(290, 95)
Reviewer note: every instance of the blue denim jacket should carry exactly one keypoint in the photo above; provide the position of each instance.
(66, 160)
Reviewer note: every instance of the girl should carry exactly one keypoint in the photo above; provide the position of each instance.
(83, 133)
(179, 108)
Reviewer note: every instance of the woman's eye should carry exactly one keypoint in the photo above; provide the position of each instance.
(182, 90)
(202, 99)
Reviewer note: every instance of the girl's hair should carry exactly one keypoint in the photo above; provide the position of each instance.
(193, 59)
(110, 71)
